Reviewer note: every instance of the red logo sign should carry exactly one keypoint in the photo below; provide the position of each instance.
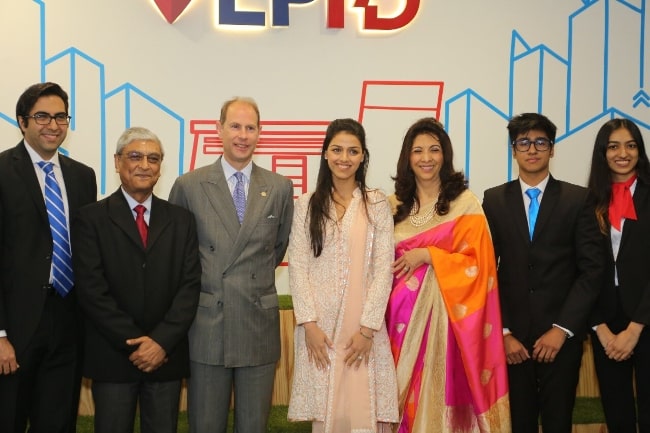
(171, 9)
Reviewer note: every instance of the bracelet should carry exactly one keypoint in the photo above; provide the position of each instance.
(364, 335)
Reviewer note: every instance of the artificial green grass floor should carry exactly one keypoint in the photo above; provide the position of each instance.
(588, 410)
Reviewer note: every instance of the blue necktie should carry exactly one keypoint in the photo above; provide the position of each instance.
(62, 276)
(533, 208)
(239, 196)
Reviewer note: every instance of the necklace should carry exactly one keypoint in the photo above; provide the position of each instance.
(420, 220)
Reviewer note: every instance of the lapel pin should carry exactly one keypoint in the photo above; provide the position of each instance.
(263, 193)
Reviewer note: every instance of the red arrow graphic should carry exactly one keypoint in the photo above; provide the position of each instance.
(171, 9)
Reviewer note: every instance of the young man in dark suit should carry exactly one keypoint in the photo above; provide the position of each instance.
(39, 322)
(138, 278)
(550, 264)
(243, 215)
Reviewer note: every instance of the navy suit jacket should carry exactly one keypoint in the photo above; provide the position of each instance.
(26, 240)
(127, 291)
(556, 277)
(632, 266)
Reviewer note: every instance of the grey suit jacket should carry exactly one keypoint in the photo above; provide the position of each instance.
(237, 322)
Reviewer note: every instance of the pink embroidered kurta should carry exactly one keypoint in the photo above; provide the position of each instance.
(345, 288)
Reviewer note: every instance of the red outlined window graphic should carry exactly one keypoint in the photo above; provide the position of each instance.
(425, 96)
(288, 142)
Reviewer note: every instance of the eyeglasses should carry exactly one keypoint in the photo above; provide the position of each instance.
(45, 118)
(541, 144)
(135, 157)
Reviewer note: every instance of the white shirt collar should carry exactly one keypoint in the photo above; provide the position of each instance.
(133, 202)
(229, 170)
(541, 186)
(36, 158)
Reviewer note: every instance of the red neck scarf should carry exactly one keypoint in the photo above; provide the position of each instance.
(621, 204)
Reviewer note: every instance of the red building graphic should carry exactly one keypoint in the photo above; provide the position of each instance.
(289, 143)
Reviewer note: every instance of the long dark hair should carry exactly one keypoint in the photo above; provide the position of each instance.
(452, 182)
(600, 176)
(321, 199)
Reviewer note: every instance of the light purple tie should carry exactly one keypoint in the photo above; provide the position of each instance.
(239, 196)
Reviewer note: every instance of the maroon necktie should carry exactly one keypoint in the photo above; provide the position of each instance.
(141, 223)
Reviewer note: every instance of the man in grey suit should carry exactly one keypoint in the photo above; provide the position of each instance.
(235, 337)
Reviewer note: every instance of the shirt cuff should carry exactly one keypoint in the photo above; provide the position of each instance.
(568, 333)
(3, 333)
(506, 331)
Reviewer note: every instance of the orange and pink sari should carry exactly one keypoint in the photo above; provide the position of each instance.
(445, 327)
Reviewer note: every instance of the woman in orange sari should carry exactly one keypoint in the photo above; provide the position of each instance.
(443, 315)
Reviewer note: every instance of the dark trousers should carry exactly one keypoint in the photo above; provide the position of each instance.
(616, 380)
(546, 390)
(42, 391)
(210, 388)
(115, 406)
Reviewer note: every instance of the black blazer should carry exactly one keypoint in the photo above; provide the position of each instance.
(26, 240)
(632, 264)
(556, 277)
(127, 291)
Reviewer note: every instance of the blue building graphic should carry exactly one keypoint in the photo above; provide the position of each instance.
(535, 70)
(624, 30)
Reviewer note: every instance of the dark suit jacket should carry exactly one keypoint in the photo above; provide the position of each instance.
(26, 240)
(633, 267)
(237, 323)
(127, 291)
(556, 277)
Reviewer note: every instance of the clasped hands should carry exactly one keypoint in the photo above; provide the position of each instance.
(318, 344)
(149, 355)
(619, 347)
(545, 348)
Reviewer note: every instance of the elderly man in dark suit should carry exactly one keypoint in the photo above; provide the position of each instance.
(550, 265)
(138, 279)
(39, 380)
(243, 214)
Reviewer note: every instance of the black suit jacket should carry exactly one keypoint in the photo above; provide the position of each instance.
(633, 267)
(556, 277)
(127, 291)
(26, 240)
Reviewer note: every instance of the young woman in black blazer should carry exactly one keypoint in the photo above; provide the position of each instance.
(620, 179)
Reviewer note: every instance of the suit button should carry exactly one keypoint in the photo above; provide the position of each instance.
(212, 248)
(144, 265)
(530, 266)
(532, 290)
(219, 304)
(48, 257)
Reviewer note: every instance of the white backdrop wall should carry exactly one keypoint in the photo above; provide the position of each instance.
(471, 63)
